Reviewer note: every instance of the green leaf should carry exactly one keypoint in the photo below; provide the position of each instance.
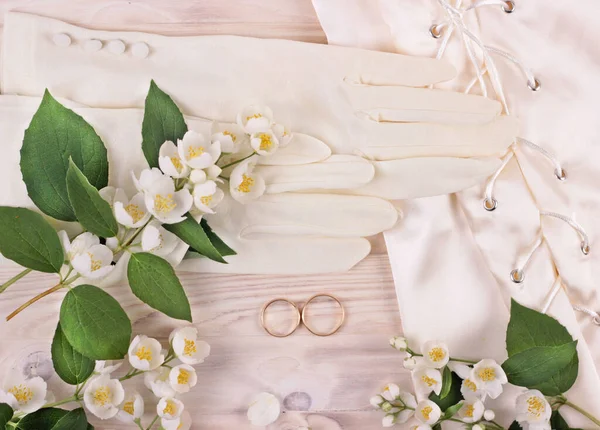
(6, 414)
(446, 382)
(515, 426)
(71, 366)
(557, 422)
(221, 246)
(194, 235)
(162, 121)
(452, 410)
(153, 281)
(527, 329)
(537, 365)
(54, 419)
(453, 397)
(29, 240)
(92, 211)
(95, 324)
(56, 134)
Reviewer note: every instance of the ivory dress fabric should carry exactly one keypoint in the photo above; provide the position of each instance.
(452, 259)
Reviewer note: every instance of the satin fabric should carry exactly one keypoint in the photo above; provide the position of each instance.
(451, 259)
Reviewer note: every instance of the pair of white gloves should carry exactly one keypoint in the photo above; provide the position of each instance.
(367, 130)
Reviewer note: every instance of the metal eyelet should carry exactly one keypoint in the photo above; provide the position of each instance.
(535, 85)
(561, 176)
(490, 205)
(435, 32)
(517, 276)
(596, 320)
(509, 7)
(585, 248)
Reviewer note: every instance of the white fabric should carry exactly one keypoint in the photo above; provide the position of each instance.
(465, 299)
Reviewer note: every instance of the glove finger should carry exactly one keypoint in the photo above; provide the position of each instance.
(336, 172)
(389, 141)
(302, 149)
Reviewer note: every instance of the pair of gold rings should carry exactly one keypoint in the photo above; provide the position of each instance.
(301, 316)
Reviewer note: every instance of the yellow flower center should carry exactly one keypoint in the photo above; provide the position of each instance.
(437, 354)
(429, 381)
(205, 200)
(170, 408)
(230, 134)
(470, 385)
(177, 163)
(246, 185)
(195, 151)
(144, 353)
(128, 407)
(487, 374)
(190, 348)
(102, 396)
(164, 204)
(255, 116)
(134, 212)
(536, 406)
(22, 393)
(183, 377)
(469, 411)
(95, 264)
(265, 141)
(426, 411)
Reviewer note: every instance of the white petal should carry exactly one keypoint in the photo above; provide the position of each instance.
(264, 410)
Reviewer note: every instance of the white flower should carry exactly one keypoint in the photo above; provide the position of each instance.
(284, 136)
(390, 392)
(409, 363)
(230, 137)
(389, 420)
(427, 380)
(399, 343)
(130, 213)
(158, 382)
(264, 410)
(103, 395)
(428, 412)
(471, 411)
(157, 240)
(489, 377)
(255, 119)
(183, 378)
(462, 370)
(166, 204)
(435, 354)
(131, 409)
(207, 196)
(145, 353)
(421, 427)
(411, 403)
(147, 179)
(169, 408)
(376, 401)
(90, 259)
(533, 410)
(264, 143)
(187, 347)
(471, 390)
(477, 427)
(170, 161)
(182, 423)
(489, 415)
(23, 395)
(80, 244)
(244, 185)
(196, 152)
(106, 367)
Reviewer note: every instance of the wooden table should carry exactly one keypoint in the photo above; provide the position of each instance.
(323, 383)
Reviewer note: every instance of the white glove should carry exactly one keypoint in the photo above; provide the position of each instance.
(280, 233)
(423, 142)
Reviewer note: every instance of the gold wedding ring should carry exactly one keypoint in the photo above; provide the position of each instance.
(264, 310)
(339, 323)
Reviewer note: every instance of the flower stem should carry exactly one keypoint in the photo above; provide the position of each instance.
(62, 402)
(15, 279)
(139, 424)
(132, 238)
(35, 299)
(583, 412)
(152, 423)
(238, 161)
(458, 360)
(131, 374)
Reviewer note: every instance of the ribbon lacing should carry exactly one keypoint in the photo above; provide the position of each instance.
(454, 23)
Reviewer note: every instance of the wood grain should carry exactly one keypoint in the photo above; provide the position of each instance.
(323, 383)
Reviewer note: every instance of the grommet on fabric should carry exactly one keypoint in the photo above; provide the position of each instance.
(490, 204)
(92, 45)
(435, 31)
(517, 276)
(116, 46)
(535, 85)
(509, 7)
(62, 39)
(264, 324)
(585, 248)
(560, 175)
(140, 50)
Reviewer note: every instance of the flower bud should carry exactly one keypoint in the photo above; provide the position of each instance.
(388, 421)
(478, 427)
(386, 406)
(377, 401)
(410, 363)
(489, 415)
(399, 343)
